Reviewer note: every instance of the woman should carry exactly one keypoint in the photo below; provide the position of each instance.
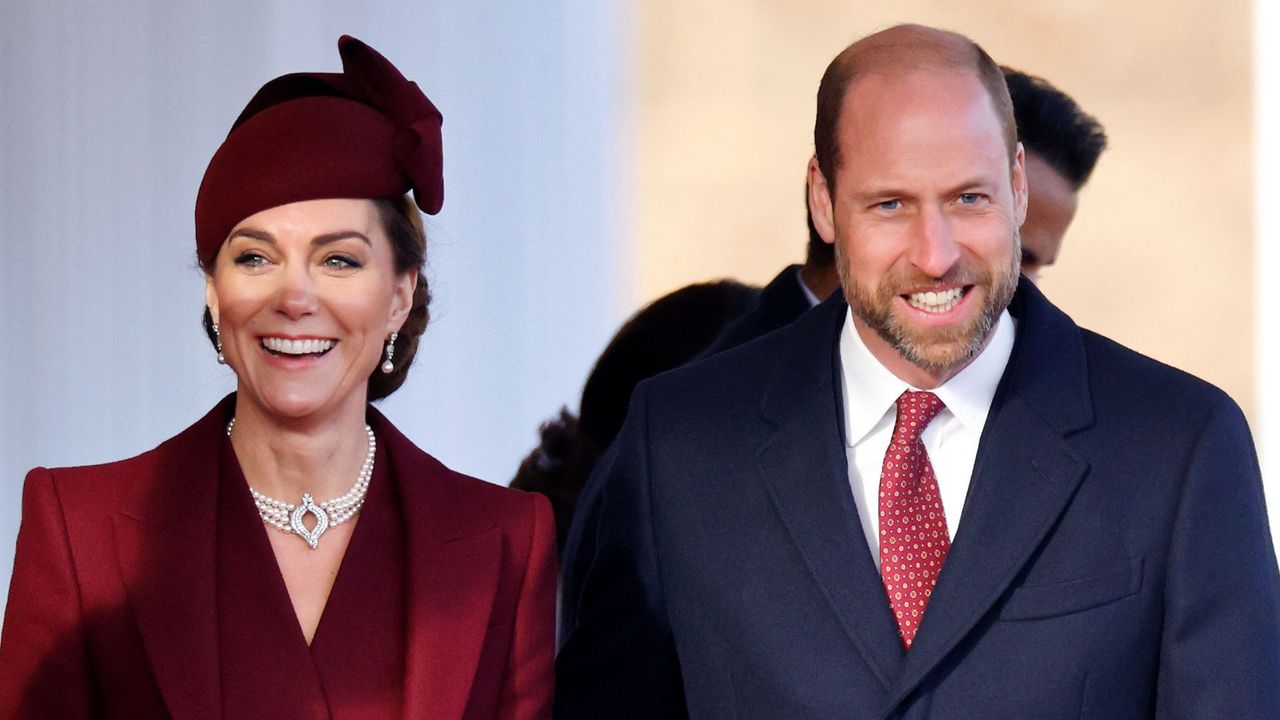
(292, 554)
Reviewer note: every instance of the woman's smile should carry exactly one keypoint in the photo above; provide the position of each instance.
(297, 346)
(295, 354)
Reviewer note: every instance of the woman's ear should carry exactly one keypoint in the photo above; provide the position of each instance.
(211, 297)
(402, 300)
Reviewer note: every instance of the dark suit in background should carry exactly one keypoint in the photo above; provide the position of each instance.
(1113, 560)
(781, 302)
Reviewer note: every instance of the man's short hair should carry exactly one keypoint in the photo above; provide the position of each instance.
(904, 47)
(1053, 126)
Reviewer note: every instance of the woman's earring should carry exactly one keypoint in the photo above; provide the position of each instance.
(387, 366)
(217, 342)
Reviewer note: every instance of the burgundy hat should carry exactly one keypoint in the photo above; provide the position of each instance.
(363, 133)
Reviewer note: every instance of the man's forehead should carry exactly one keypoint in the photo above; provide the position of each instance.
(907, 78)
(879, 98)
(935, 130)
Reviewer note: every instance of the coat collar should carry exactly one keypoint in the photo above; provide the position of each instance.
(784, 296)
(1025, 474)
(165, 542)
(455, 556)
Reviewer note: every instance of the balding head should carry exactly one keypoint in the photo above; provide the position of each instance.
(902, 50)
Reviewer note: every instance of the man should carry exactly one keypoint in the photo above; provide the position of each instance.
(940, 500)
(1062, 145)
(796, 289)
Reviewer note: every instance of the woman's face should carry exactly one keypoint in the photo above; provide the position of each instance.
(305, 296)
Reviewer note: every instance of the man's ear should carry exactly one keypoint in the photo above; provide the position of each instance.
(402, 300)
(821, 205)
(1018, 176)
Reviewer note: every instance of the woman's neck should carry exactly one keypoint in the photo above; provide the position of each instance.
(284, 459)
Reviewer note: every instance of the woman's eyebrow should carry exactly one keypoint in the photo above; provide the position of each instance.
(262, 235)
(327, 238)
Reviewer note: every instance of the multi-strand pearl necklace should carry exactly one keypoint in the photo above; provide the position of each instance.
(287, 517)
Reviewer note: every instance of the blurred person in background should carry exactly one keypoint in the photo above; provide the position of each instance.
(664, 334)
(793, 291)
(1062, 144)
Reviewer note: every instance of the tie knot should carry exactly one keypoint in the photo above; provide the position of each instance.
(915, 411)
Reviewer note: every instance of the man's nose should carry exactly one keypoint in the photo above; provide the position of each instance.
(935, 250)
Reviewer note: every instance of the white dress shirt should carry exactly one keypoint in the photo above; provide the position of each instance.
(870, 395)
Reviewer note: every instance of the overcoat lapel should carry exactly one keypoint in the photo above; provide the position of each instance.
(452, 579)
(1024, 476)
(804, 468)
(165, 544)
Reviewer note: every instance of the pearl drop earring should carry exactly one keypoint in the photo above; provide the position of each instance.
(217, 342)
(387, 365)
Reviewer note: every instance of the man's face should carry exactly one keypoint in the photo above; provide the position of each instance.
(1051, 205)
(924, 217)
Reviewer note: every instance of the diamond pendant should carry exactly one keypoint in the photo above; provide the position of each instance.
(322, 520)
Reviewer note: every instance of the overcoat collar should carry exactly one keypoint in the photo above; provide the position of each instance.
(455, 556)
(165, 542)
(1025, 473)
(784, 296)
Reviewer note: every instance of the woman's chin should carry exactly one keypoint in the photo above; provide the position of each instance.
(293, 404)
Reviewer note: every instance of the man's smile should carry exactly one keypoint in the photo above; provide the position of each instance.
(936, 301)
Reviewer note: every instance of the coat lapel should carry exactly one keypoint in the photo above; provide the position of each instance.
(1024, 477)
(165, 544)
(804, 468)
(452, 579)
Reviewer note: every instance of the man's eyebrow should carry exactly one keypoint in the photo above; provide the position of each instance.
(873, 193)
(972, 182)
(881, 193)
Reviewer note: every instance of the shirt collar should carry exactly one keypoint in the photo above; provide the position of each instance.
(808, 294)
(967, 395)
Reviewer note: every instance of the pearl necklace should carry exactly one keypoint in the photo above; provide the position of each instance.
(287, 517)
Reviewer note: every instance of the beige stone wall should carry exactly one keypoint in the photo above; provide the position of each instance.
(1160, 256)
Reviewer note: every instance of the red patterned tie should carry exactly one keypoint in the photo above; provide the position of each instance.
(913, 529)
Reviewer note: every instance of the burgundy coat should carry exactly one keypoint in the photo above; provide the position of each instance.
(112, 608)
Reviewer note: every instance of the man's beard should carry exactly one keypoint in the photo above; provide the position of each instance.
(933, 349)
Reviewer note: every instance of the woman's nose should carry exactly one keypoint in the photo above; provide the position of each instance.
(296, 297)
